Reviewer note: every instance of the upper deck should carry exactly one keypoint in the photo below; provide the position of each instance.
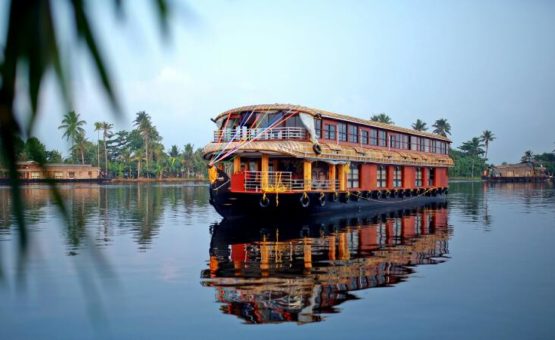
(248, 122)
(257, 128)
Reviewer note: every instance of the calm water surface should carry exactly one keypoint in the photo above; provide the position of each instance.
(153, 261)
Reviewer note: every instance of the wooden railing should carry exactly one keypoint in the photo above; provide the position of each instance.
(244, 133)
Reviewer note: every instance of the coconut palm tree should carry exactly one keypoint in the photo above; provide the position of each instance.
(143, 123)
(73, 127)
(527, 157)
(419, 125)
(106, 133)
(442, 127)
(98, 127)
(382, 118)
(79, 146)
(474, 149)
(486, 137)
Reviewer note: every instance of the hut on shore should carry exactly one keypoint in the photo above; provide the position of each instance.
(31, 171)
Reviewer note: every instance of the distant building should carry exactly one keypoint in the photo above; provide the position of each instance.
(32, 171)
(521, 172)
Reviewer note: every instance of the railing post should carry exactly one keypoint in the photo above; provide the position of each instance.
(341, 176)
(332, 176)
(307, 175)
(265, 166)
(236, 164)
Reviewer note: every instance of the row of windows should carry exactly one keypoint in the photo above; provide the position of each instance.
(353, 178)
(343, 132)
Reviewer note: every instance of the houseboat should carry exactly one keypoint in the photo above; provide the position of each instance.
(521, 172)
(283, 160)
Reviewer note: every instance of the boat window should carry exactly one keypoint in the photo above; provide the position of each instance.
(364, 136)
(353, 178)
(418, 178)
(342, 130)
(330, 131)
(294, 121)
(433, 144)
(443, 148)
(318, 127)
(425, 145)
(382, 141)
(373, 137)
(394, 141)
(397, 177)
(381, 177)
(431, 176)
(404, 142)
(270, 119)
(353, 133)
(414, 143)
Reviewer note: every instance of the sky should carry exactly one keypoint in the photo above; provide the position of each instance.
(479, 64)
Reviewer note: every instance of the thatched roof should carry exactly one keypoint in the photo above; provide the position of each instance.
(328, 114)
(335, 152)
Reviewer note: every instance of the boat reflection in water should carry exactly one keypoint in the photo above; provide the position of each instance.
(296, 272)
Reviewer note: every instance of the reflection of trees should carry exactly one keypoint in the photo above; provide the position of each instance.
(469, 198)
(297, 271)
(96, 212)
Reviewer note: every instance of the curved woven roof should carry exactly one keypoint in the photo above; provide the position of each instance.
(335, 152)
(328, 114)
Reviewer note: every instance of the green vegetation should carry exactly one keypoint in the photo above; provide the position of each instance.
(382, 118)
(546, 160)
(487, 137)
(468, 159)
(124, 154)
(442, 127)
(419, 125)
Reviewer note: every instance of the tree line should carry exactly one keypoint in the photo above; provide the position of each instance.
(123, 154)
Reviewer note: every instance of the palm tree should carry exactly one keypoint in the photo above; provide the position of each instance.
(106, 133)
(98, 127)
(79, 145)
(442, 127)
(73, 126)
(143, 123)
(382, 118)
(487, 136)
(474, 149)
(527, 157)
(419, 125)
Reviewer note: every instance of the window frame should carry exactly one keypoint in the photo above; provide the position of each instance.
(352, 133)
(381, 176)
(397, 176)
(352, 181)
(342, 132)
(364, 137)
(418, 177)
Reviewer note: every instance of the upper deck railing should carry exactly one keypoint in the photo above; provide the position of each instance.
(244, 133)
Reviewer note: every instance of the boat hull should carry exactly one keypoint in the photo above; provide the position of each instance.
(293, 205)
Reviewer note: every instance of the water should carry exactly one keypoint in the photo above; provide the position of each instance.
(156, 261)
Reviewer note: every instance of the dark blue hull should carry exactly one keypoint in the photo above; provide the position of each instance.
(293, 205)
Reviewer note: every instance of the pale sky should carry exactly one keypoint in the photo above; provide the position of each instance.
(479, 64)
